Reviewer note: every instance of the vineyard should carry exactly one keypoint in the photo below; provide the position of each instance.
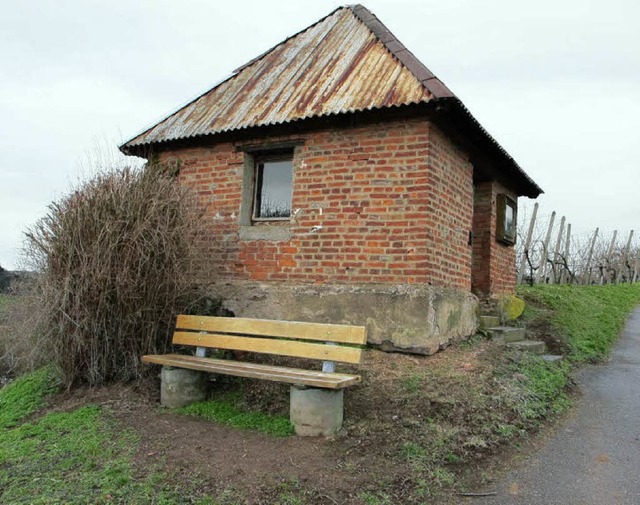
(548, 253)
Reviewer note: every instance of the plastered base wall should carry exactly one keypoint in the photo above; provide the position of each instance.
(419, 319)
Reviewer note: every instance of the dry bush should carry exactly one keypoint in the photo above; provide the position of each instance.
(21, 348)
(114, 260)
(5, 280)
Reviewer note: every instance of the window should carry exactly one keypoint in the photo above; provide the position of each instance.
(507, 210)
(267, 184)
(273, 176)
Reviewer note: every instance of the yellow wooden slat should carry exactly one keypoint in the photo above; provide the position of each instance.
(260, 367)
(264, 327)
(270, 346)
(256, 371)
(249, 366)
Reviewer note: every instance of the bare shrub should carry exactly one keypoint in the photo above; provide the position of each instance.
(21, 348)
(114, 259)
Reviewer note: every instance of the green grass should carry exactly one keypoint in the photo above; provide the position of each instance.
(71, 457)
(375, 498)
(26, 395)
(412, 384)
(83, 456)
(534, 388)
(589, 318)
(224, 410)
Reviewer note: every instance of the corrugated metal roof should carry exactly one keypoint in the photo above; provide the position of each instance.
(335, 66)
(347, 62)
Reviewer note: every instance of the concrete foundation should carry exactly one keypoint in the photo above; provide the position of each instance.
(419, 319)
(180, 387)
(316, 412)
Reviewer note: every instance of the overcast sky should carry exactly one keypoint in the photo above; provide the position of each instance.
(557, 83)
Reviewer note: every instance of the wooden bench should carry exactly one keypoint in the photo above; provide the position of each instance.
(316, 395)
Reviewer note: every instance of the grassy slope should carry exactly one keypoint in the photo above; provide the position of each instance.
(588, 318)
(70, 457)
(26, 396)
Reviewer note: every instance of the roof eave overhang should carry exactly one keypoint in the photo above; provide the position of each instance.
(490, 160)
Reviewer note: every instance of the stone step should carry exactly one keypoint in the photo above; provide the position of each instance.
(504, 334)
(532, 346)
(552, 358)
(489, 322)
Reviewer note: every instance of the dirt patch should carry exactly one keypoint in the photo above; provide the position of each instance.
(379, 417)
(255, 467)
(539, 327)
(250, 464)
(412, 432)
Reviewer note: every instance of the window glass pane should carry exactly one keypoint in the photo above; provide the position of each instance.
(509, 220)
(273, 194)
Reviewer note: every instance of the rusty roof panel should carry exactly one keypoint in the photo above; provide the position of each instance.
(335, 66)
(348, 61)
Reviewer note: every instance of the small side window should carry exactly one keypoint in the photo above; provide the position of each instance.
(507, 214)
(273, 176)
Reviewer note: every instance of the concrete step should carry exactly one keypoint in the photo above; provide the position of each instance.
(532, 346)
(489, 322)
(504, 334)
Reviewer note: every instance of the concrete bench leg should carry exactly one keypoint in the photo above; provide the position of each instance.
(316, 412)
(180, 387)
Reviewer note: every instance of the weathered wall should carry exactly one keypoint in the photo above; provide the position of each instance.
(384, 203)
(494, 272)
(450, 208)
(379, 233)
(410, 318)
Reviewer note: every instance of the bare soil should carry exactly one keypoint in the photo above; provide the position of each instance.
(540, 328)
(254, 468)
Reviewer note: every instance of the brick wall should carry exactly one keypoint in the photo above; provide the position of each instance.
(494, 271)
(394, 202)
(450, 211)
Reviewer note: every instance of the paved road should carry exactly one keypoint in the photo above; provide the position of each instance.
(594, 457)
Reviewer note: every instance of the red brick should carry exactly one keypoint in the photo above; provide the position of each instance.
(397, 207)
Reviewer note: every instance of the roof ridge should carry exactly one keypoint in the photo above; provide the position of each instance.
(418, 69)
(263, 54)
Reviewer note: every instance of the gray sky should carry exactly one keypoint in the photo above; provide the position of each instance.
(557, 83)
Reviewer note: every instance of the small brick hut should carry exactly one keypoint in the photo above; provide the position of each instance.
(343, 182)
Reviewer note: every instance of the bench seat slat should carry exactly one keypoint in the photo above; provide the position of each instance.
(270, 346)
(256, 371)
(343, 334)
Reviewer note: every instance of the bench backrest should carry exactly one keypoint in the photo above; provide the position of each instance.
(286, 338)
